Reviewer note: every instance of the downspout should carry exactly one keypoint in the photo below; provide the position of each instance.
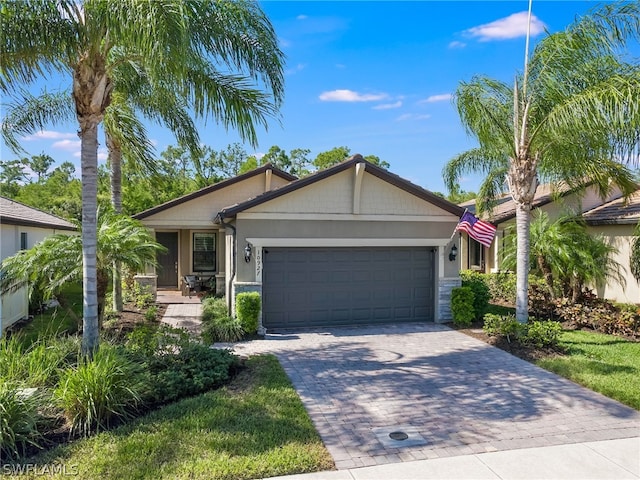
(220, 220)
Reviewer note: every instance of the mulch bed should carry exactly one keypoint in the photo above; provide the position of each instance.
(530, 354)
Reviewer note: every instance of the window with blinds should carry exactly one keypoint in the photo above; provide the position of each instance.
(204, 252)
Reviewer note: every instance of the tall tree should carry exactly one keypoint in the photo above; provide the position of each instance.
(94, 39)
(573, 116)
(40, 165)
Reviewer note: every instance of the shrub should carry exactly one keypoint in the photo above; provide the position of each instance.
(481, 296)
(542, 334)
(177, 366)
(151, 314)
(502, 326)
(98, 391)
(462, 306)
(248, 310)
(193, 369)
(213, 307)
(222, 329)
(20, 421)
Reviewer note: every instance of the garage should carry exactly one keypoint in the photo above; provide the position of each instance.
(314, 287)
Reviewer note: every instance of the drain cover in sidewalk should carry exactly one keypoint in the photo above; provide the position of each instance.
(399, 436)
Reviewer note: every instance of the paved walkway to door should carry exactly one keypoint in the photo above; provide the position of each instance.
(448, 393)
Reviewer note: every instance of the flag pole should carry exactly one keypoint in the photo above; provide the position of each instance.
(456, 229)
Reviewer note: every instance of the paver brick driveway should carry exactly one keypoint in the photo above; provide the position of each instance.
(449, 393)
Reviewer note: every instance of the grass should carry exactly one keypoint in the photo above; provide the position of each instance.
(58, 320)
(254, 427)
(604, 363)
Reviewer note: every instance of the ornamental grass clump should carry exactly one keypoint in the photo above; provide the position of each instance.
(21, 422)
(99, 391)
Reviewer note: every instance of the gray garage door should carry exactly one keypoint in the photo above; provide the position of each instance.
(310, 287)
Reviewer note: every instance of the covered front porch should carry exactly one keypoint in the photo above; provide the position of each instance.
(198, 253)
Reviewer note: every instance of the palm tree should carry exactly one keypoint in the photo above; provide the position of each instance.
(566, 255)
(57, 260)
(572, 116)
(95, 40)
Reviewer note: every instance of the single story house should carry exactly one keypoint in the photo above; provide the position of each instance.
(352, 244)
(21, 227)
(612, 217)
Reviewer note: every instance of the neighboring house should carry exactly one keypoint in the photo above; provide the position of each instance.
(612, 217)
(21, 228)
(615, 221)
(352, 244)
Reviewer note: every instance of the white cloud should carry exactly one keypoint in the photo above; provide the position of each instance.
(388, 106)
(49, 135)
(67, 145)
(302, 17)
(350, 96)
(103, 155)
(513, 26)
(437, 98)
(298, 68)
(457, 44)
(412, 116)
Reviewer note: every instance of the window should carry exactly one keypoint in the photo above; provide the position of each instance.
(23, 241)
(476, 255)
(204, 252)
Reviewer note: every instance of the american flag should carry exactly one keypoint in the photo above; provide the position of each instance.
(481, 231)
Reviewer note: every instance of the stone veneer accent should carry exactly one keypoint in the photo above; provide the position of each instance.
(148, 283)
(241, 287)
(444, 298)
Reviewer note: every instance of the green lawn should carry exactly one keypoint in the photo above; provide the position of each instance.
(64, 318)
(254, 427)
(604, 363)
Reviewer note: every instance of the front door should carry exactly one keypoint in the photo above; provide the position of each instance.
(168, 262)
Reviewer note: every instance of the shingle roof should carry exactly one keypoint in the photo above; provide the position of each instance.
(15, 213)
(616, 212)
(505, 208)
(213, 188)
(375, 170)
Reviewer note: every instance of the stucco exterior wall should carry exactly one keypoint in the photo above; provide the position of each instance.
(201, 211)
(621, 237)
(330, 195)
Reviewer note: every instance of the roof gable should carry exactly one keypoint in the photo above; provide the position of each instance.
(16, 213)
(332, 191)
(286, 177)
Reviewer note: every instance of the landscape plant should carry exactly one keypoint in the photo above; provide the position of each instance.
(462, 306)
(99, 391)
(481, 291)
(217, 324)
(248, 306)
(21, 423)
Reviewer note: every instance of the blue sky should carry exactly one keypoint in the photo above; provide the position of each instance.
(375, 76)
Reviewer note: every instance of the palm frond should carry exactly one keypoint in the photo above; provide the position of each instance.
(29, 114)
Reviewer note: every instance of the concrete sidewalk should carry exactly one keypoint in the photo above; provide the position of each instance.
(609, 459)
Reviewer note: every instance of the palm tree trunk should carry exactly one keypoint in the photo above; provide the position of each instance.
(115, 160)
(89, 164)
(547, 273)
(523, 219)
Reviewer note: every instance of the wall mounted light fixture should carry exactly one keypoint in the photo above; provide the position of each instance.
(247, 253)
(453, 254)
